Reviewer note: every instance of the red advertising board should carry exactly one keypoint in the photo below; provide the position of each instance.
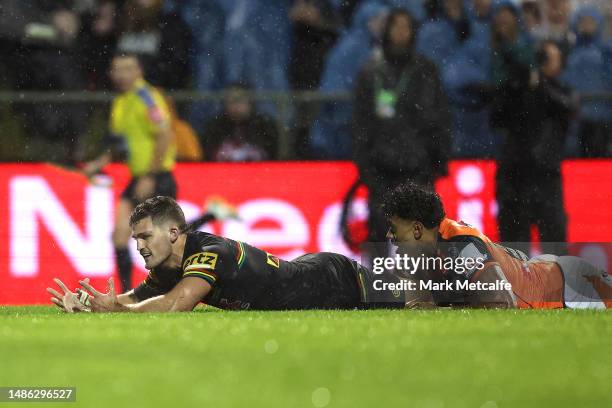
(54, 223)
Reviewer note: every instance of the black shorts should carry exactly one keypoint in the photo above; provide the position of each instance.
(341, 283)
(165, 185)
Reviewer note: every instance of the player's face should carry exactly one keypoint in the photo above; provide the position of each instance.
(411, 237)
(124, 73)
(153, 242)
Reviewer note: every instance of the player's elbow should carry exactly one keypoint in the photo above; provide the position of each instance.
(185, 300)
(183, 308)
(187, 294)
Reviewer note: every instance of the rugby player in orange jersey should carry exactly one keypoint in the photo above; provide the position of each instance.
(419, 228)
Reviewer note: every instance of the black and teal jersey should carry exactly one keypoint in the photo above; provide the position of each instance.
(244, 277)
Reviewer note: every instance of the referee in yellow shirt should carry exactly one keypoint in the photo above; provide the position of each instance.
(140, 130)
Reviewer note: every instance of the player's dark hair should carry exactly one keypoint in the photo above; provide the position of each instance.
(412, 202)
(160, 209)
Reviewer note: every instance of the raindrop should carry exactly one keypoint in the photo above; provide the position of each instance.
(321, 397)
(271, 346)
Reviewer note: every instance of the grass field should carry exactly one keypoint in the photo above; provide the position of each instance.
(313, 359)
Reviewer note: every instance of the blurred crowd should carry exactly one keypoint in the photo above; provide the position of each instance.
(493, 75)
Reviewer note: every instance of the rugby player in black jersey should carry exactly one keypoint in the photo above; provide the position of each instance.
(187, 268)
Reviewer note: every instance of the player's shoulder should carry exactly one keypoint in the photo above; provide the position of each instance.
(199, 242)
(148, 95)
(203, 250)
(465, 247)
(199, 239)
(207, 256)
(145, 92)
(458, 239)
(153, 101)
(452, 230)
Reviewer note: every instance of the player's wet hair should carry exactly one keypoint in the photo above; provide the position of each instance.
(160, 209)
(412, 202)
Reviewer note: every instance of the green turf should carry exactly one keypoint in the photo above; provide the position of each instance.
(304, 359)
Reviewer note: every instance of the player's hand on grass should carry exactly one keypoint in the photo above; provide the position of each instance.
(68, 301)
(103, 302)
(145, 187)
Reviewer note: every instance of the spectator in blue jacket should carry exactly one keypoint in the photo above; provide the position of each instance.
(345, 9)
(446, 28)
(348, 8)
(414, 7)
(465, 75)
(206, 19)
(588, 71)
(480, 14)
(331, 132)
(257, 45)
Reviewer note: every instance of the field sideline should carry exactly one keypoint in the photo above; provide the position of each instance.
(313, 359)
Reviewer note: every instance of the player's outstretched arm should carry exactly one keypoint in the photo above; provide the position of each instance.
(127, 298)
(182, 298)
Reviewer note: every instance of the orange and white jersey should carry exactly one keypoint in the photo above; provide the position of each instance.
(543, 282)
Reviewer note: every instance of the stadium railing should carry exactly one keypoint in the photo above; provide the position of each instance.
(284, 103)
